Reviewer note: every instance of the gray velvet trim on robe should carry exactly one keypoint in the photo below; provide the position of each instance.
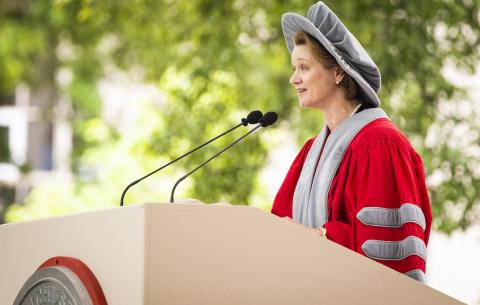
(310, 197)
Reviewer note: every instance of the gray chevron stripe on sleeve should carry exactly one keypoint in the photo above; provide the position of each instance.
(416, 274)
(392, 218)
(395, 250)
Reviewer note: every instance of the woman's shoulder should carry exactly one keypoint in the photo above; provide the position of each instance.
(379, 130)
(306, 147)
(302, 154)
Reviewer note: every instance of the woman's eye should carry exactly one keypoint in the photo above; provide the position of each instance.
(301, 68)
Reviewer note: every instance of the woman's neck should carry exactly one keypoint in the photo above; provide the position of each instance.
(337, 111)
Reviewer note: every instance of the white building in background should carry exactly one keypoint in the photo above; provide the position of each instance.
(35, 144)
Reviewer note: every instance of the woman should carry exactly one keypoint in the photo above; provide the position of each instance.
(359, 182)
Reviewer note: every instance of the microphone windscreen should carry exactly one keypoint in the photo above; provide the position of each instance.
(254, 117)
(268, 119)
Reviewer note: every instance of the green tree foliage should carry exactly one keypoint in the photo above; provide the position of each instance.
(215, 60)
(42, 39)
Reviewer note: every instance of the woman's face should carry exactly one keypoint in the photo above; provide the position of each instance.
(314, 84)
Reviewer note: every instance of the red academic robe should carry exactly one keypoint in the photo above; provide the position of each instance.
(379, 169)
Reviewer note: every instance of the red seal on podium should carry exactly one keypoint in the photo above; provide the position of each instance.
(64, 281)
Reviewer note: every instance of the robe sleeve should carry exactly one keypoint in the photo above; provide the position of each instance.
(385, 211)
(282, 205)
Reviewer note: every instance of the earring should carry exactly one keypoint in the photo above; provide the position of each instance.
(337, 82)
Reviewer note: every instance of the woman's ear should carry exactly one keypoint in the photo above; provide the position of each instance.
(339, 74)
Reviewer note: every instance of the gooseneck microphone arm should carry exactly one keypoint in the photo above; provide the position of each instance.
(268, 119)
(210, 159)
(252, 118)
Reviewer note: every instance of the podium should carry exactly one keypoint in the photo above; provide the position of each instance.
(156, 254)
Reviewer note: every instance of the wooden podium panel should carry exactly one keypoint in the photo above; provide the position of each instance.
(204, 254)
(111, 242)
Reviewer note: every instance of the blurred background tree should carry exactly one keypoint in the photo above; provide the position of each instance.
(214, 61)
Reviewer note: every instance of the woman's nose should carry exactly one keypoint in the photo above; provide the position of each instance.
(294, 79)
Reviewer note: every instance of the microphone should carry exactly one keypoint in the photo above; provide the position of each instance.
(268, 119)
(253, 117)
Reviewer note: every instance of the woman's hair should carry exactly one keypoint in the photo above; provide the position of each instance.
(348, 84)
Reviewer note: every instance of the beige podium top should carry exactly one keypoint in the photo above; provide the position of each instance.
(204, 254)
